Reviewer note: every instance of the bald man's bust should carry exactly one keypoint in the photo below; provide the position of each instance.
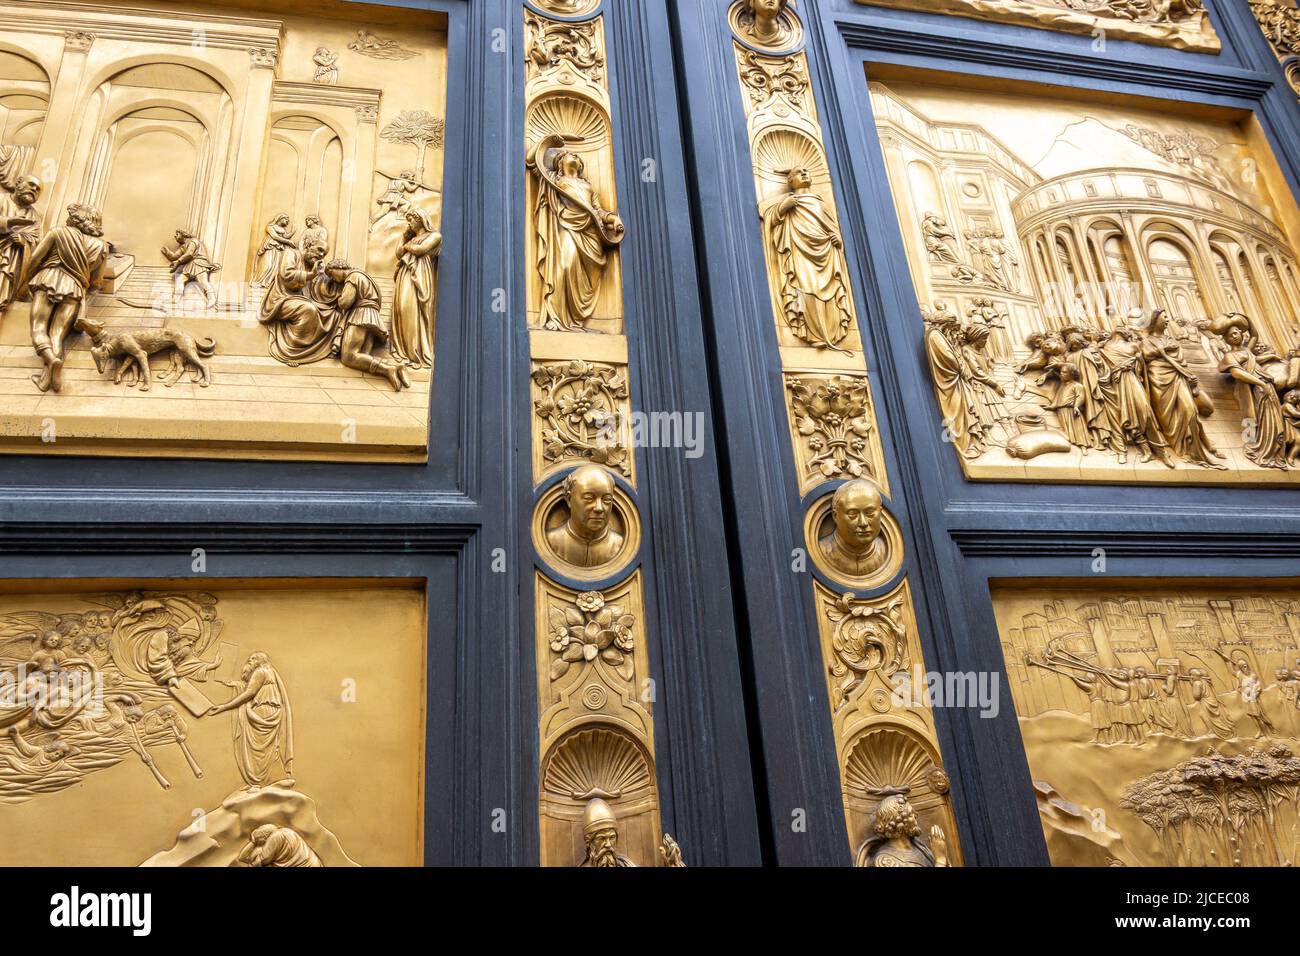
(586, 539)
(855, 546)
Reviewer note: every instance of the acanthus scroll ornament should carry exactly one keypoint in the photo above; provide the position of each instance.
(867, 639)
(769, 79)
(552, 44)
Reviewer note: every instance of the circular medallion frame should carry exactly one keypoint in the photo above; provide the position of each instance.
(818, 522)
(789, 29)
(565, 9)
(552, 512)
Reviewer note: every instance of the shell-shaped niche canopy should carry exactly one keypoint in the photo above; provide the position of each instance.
(778, 151)
(888, 757)
(596, 762)
(577, 120)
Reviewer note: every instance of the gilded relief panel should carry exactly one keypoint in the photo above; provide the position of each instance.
(1280, 22)
(896, 793)
(599, 800)
(1182, 24)
(219, 229)
(1160, 720)
(243, 724)
(1108, 292)
(598, 795)
(894, 789)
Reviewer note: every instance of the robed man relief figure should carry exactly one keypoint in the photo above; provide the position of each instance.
(574, 234)
(263, 721)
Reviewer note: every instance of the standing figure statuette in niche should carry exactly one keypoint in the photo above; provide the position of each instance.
(806, 255)
(574, 235)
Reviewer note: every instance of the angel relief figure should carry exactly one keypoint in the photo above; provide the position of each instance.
(398, 197)
(81, 692)
(574, 234)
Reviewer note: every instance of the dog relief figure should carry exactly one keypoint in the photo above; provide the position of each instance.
(131, 348)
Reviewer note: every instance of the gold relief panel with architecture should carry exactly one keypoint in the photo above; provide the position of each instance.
(1107, 288)
(247, 723)
(1182, 24)
(896, 794)
(1160, 720)
(251, 223)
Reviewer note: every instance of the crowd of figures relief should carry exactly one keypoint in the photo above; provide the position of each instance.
(1176, 711)
(1112, 390)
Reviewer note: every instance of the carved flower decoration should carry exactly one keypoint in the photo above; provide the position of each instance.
(834, 416)
(591, 601)
(589, 630)
(578, 406)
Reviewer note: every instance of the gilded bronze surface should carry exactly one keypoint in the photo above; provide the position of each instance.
(1183, 24)
(833, 428)
(244, 724)
(598, 798)
(1108, 291)
(585, 526)
(240, 208)
(852, 538)
(895, 790)
(596, 725)
(1281, 24)
(896, 811)
(1160, 720)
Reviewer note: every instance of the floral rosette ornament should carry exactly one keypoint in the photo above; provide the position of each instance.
(866, 638)
(589, 630)
(833, 414)
(579, 409)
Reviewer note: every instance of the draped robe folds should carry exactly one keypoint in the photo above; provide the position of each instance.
(1262, 404)
(955, 399)
(272, 253)
(64, 263)
(1133, 413)
(263, 729)
(1173, 401)
(570, 250)
(802, 246)
(16, 245)
(415, 293)
(1098, 400)
(299, 331)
